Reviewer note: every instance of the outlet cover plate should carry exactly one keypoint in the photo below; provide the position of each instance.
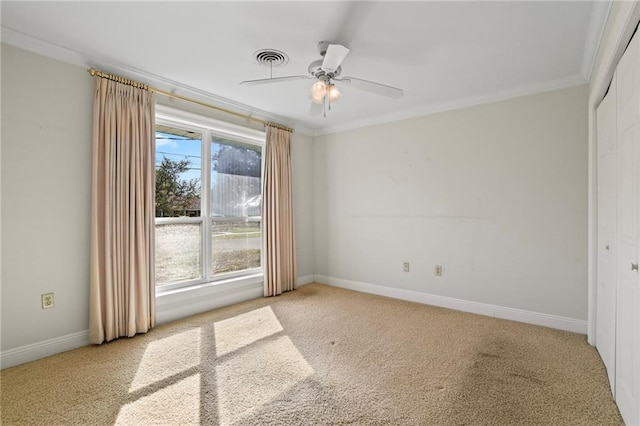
(48, 301)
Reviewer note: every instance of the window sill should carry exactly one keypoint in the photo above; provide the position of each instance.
(179, 303)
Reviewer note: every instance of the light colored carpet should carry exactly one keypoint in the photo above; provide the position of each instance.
(320, 355)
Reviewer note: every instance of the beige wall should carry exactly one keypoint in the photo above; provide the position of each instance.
(46, 196)
(497, 194)
(302, 163)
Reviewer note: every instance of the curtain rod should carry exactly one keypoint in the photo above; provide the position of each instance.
(113, 77)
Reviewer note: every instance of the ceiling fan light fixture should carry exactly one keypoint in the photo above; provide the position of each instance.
(333, 93)
(318, 91)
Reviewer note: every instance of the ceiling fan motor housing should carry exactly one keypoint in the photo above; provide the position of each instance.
(315, 70)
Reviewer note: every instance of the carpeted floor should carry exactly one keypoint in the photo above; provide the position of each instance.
(320, 355)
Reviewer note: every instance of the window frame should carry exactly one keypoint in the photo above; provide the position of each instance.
(209, 128)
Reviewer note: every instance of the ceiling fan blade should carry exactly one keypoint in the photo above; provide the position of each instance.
(370, 86)
(334, 57)
(274, 80)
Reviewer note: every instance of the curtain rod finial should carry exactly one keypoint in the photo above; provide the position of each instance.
(92, 72)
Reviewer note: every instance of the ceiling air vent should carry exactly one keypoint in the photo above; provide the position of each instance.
(271, 58)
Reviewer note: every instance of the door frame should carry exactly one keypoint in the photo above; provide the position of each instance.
(621, 24)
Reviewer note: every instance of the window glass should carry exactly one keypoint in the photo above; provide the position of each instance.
(178, 252)
(236, 200)
(178, 239)
(178, 172)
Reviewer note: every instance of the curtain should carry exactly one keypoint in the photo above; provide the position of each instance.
(122, 282)
(277, 214)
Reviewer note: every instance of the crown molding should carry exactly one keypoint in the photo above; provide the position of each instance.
(597, 23)
(63, 54)
(458, 104)
(598, 20)
(44, 48)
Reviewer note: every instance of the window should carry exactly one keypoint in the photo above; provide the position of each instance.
(236, 199)
(208, 200)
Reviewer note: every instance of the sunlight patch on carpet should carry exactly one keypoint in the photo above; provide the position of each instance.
(242, 330)
(168, 357)
(154, 409)
(269, 369)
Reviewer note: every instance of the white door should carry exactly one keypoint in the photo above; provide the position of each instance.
(607, 216)
(628, 292)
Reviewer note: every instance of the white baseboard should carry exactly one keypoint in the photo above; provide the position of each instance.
(304, 280)
(180, 309)
(520, 315)
(34, 351)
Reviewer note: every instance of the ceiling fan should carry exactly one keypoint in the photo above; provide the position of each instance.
(325, 72)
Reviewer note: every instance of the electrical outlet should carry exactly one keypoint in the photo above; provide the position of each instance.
(47, 301)
(438, 271)
(405, 266)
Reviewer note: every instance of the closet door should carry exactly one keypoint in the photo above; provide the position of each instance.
(607, 216)
(628, 306)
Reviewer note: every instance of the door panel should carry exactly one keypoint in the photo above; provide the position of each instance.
(628, 287)
(607, 212)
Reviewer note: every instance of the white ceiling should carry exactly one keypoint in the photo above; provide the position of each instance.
(443, 54)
